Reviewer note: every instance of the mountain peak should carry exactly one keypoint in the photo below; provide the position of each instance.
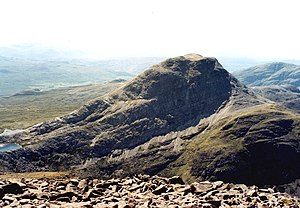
(190, 65)
(193, 57)
(190, 57)
(190, 73)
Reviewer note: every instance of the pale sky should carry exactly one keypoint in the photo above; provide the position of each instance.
(124, 28)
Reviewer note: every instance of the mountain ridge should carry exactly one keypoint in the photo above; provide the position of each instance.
(276, 73)
(182, 116)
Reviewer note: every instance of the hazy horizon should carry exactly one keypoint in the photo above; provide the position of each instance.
(261, 30)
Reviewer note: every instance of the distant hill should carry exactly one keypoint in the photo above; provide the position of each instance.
(277, 73)
(233, 64)
(39, 52)
(18, 75)
(28, 67)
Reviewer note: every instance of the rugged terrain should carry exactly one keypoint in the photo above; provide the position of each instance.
(138, 191)
(289, 96)
(186, 116)
(278, 81)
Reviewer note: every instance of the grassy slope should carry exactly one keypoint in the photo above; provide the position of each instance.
(216, 149)
(18, 112)
(33, 175)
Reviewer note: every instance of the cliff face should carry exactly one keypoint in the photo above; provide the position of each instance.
(183, 116)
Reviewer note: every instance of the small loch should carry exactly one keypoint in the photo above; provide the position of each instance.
(9, 147)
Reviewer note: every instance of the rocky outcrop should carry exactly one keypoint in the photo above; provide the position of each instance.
(138, 191)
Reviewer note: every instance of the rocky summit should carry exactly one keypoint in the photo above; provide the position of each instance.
(138, 191)
(185, 116)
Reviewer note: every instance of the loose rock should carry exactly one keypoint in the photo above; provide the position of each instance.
(139, 191)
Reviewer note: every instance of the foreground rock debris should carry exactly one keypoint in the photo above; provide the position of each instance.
(138, 191)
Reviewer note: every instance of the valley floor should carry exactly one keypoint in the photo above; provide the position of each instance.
(56, 190)
(22, 111)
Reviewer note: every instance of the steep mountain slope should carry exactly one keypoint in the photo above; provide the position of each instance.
(277, 73)
(186, 116)
(288, 96)
(256, 144)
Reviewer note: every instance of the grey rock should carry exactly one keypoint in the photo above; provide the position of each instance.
(63, 199)
(176, 180)
(159, 190)
(252, 193)
(24, 201)
(11, 188)
(234, 195)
